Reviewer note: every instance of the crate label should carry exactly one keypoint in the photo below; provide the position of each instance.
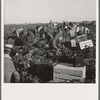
(86, 44)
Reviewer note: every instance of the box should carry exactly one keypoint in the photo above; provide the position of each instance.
(82, 38)
(63, 73)
(86, 44)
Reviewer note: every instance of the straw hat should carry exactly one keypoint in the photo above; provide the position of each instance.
(8, 47)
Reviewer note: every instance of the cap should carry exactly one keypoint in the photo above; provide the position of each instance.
(8, 47)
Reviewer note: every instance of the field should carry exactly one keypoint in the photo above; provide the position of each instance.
(43, 70)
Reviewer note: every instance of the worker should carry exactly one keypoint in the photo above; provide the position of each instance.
(58, 37)
(21, 36)
(41, 32)
(19, 31)
(86, 30)
(30, 38)
(50, 25)
(10, 73)
(78, 29)
(25, 37)
(55, 24)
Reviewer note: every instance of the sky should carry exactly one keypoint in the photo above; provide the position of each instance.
(42, 11)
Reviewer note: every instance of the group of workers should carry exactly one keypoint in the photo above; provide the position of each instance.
(52, 33)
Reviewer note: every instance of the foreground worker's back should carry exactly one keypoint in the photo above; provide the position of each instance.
(9, 71)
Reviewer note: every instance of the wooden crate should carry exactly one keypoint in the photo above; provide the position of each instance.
(63, 72)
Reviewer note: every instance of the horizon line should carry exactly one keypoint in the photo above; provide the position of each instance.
(46, 22)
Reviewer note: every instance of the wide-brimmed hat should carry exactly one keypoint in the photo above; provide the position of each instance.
(14, 30)
(19, 31)
(8, 47)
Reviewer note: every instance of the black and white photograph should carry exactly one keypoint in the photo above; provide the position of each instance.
(50, 41)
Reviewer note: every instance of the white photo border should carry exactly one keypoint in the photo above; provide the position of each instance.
(49, 91)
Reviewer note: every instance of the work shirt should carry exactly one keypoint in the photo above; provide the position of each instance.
(72, 33)
(9, 70)
(83, 29)
(73, 43)
(30, 38)
(78, 29)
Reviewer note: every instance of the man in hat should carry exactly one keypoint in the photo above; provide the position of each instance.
(21, 36)
(10, 73)
(18, 32)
